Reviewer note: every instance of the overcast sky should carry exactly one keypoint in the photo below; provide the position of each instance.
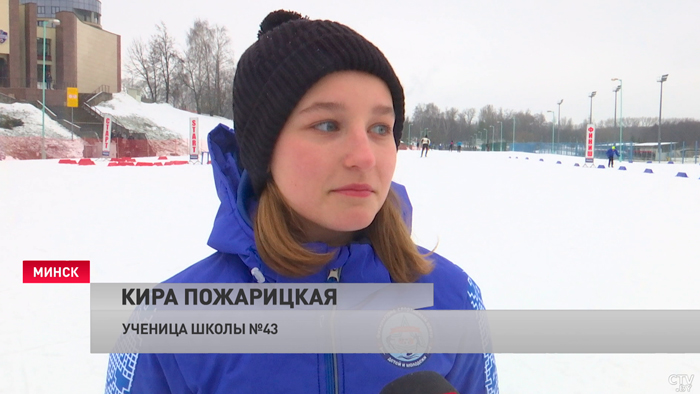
(515, 54)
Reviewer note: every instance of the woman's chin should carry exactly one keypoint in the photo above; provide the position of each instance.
(352, 224)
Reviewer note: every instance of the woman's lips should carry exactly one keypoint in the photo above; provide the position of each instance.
(355, 190)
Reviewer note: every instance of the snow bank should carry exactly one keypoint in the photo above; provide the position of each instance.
(159, 121)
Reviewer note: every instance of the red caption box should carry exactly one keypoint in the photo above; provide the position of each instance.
(56, 271)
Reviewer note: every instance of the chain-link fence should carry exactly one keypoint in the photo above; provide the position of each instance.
(629, 151)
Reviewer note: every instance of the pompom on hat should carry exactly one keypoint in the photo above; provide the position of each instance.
(291, 54)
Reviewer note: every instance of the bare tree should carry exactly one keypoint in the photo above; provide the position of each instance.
(167, 59)
(142, 70)
(208, 67)
(197, 55)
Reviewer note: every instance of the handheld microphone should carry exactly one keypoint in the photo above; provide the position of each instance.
(422, 382)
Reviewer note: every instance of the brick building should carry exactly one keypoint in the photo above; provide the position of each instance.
(79, 53)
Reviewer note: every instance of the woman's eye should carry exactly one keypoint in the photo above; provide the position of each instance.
(327, 126)
(381, 129)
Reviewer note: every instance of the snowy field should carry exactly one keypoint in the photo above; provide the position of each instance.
(533, 234)
(157, 120)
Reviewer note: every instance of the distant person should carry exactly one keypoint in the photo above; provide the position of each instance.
(459, 146)
(48, 80)
(612, 152)
(425, 141)
(452, 145)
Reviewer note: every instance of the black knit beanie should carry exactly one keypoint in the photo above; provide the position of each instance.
(291, 54)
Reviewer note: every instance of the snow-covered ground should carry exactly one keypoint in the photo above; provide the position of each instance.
(157, 120)
(24, 139)
(534, 235)
(31, 117)
(165, 127)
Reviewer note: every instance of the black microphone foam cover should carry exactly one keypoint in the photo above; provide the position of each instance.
(422, 382)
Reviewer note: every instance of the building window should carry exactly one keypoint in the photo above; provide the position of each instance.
(40, 9)
(40, 48)
(55, 10)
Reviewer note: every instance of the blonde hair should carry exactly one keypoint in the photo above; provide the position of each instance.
(279, 235)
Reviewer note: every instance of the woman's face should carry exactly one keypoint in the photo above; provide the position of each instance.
(335, 156)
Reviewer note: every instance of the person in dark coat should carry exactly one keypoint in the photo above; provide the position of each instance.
(49, 80)
(612, 152)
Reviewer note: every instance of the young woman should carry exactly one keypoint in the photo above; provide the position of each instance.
(306, 196)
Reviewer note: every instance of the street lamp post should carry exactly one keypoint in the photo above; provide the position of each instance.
(552, 130)
(409, 136)
(559, 120)
(661, 96)
(43, 88)
(487, 137)
(500, 143)
(590, 120)
(513, 146)
(619, 89)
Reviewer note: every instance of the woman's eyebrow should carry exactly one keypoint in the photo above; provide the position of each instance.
(336, 107)
(319, 106)
(382, 110)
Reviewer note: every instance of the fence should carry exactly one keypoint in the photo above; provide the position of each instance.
(29, 148)
(670, 151)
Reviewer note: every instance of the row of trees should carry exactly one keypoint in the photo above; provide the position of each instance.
(467, 125)
(197, 77)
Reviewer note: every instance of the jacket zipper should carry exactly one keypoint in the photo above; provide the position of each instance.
(332, 359)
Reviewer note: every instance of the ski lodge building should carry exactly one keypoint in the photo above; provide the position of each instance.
(79, 53)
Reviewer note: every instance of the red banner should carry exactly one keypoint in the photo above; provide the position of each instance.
(56, 271)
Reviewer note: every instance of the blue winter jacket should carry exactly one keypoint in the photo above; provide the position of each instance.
(237, 261)
(612, 152)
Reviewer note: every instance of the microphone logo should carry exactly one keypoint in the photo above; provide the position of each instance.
(405, 337)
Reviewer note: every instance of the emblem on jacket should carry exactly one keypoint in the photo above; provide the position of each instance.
(120, 372)
(405, 338)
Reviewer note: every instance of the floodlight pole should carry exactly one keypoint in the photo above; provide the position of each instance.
(590, 120)
(619, 89)
(552, 130)
(559, 120)
(661, 96)
(43, 90)
(500, 143)
(43, 94)
(513, 146)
